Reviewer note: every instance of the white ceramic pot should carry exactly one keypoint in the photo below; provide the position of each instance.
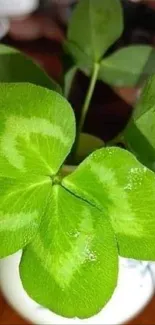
(135, 289)
(11, 8)
(4, 27)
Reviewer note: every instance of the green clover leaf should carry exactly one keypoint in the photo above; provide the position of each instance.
(34, 141)
(113, 180)
(128, 66)
(17, 67)
(69, 227)
(101, 23)
(73, 260)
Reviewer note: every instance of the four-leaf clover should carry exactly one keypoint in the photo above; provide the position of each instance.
(71, 227)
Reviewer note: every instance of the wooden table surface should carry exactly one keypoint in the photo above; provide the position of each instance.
(9, 317)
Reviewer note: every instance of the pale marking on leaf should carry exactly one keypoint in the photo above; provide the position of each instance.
(120, 211)
(23, 127)
(63, 266)
(13, 222)
(26, 189)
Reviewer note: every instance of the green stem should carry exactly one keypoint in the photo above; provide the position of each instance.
(86, 104)
(88, 96)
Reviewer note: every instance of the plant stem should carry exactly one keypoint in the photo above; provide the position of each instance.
(86, 104)
(88, 97)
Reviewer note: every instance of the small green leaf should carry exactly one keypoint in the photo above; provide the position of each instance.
(34, 141)
(94, 27)
(140, 132)
(69, 76)
(71, 270)
(128, 66)
(113, 180)
(16, 67)
(87, 144)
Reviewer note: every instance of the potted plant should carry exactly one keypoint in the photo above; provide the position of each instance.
(72, 222)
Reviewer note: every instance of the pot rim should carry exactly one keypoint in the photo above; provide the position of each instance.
(135, 289)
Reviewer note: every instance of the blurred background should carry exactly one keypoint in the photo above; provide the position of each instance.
(38, 28)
